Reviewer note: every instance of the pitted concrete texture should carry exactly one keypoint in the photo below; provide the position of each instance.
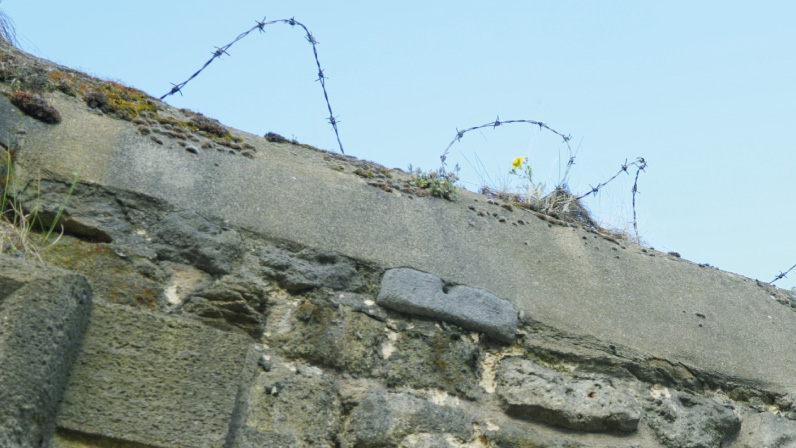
(43, 314)
(156, 380)
(419, 293)
(564, 277)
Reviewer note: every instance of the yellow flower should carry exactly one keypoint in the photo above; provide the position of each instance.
(517, 163)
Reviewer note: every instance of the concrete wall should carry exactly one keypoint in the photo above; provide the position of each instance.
(249, 293)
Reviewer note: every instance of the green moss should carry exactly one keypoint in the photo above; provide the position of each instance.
(126, 103)
(363, 173)
(113, 279)
(65, 438)
(548, 359)
(335, 337)
(63, 83)
(430, 358)
(228, 137)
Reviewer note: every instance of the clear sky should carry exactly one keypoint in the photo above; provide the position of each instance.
(704, 91)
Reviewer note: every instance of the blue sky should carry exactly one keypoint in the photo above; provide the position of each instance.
(704, 91)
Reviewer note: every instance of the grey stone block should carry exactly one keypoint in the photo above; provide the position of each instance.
(762, 429)
(528, 390)
(285, 408)
(43, 315)
(385, 419)
(156, 380)
(188, 237)
(683, 420)
(427, 357)
(508, 435)
(309, 269)
(415, 292)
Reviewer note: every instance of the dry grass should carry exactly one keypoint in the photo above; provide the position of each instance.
(15, 236)
(18, 224)
(7, 31)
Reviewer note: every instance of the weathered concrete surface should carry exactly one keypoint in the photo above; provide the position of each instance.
(564, 277)
(414, 292)
(43, 314)
(147, 379)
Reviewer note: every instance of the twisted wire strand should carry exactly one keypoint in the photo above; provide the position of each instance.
(260, 26)
(782, 275)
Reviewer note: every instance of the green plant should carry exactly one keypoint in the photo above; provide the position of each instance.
(58, 213)
(439, 183)
(16, 224)
(521, 168)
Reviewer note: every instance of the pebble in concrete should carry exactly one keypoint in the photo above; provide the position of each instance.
(415, 292)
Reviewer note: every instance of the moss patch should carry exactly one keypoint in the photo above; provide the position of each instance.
(72, 439)
(35, 107)
(114, 279)
(334, 336)
(426, 357)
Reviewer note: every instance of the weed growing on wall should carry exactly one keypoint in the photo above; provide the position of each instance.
(521, 168)
(17, 224)
(438, 182)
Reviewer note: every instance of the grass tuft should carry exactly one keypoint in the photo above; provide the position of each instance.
(18, 224)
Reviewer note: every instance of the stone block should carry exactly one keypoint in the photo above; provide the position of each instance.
(43, 315)
(156, 380)
(767, 430)
(286, 407)
(309, 269)
(683, 420)
(386, 419)
(415, 292)
(528, 390)
(186, 236)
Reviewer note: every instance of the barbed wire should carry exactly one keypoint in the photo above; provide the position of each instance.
(496, 123)
(640, 163)
(782, 275)
(260, 26)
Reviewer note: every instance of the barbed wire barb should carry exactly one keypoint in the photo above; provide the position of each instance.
(260, 26)
(782, 275)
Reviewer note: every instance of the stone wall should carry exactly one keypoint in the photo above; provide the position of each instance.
(292, 347)
(224, 291)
